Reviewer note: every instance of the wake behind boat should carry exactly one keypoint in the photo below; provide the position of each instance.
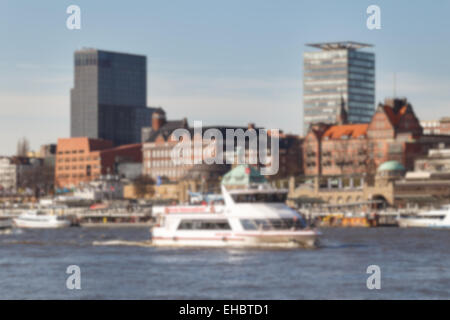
(439, 218)
(39, 219)
(254, 216)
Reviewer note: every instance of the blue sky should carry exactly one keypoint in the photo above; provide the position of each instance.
(222, 62)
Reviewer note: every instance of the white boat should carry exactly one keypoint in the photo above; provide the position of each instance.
(39, 219)
(439, 218)
(255, 216)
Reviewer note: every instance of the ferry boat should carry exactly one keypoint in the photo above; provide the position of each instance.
(254, 216)
(439, 218)
(39, 219)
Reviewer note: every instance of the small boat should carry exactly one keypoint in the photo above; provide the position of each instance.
(438, 218)
(255, 216)
(39, 219)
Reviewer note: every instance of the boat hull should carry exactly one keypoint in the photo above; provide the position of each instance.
(422, 223)
(20, 223)
(305, 239)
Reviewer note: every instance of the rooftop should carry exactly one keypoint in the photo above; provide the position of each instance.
(89, 49)
(167, 129)
(339, 45)
(243, 174)
(348, 130)
(391, 166)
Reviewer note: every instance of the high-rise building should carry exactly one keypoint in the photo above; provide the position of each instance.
(81, 160)
(108, 100)
(339, 74)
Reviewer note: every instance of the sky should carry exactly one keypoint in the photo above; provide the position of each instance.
(220, 62)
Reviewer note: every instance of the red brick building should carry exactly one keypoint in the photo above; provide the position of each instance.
(394, 133)
(158, 144)
(83, 159)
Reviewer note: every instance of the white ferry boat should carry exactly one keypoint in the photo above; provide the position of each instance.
(439, 218)
(39, 219)
(254, 216)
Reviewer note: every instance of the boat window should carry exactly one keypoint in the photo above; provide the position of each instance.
(298, 223)
(204, 225)
(438, 217)
(260, 197)
(273, 224)
(262, 224)
(248, 224)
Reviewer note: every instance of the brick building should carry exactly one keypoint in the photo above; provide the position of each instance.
(394, 133)
(82, 159)
(159, 143)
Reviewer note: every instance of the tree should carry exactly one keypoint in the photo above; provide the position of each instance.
(141, 185)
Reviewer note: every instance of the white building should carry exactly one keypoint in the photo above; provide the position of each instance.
(16, 173)
(8, 175)
(106, 188)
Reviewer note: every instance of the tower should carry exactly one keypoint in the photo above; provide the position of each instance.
(339, 71)
(108, 100)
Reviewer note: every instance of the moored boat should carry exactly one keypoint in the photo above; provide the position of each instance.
(39, 219)
(438, 218)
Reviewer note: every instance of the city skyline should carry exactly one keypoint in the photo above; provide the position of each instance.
(212, 62)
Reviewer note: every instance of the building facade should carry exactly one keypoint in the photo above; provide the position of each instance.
(23, 174)
(8, 175)
(338, 74)
(429, 183)
(437, 160)
(81, 160)
(441, 126)
(394, 133)
(351, 163)
(108, 100)
(158, 144)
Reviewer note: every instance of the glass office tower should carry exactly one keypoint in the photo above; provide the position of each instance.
(338, 74)
(108, 100)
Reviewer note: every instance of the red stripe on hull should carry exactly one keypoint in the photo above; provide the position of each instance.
(192, 238)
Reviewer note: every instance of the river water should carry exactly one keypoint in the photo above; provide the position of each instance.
(414, 264)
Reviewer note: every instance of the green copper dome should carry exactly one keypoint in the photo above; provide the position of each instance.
(243, 174)
(391, 166)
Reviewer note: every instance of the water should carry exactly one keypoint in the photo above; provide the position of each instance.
(414, 265)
